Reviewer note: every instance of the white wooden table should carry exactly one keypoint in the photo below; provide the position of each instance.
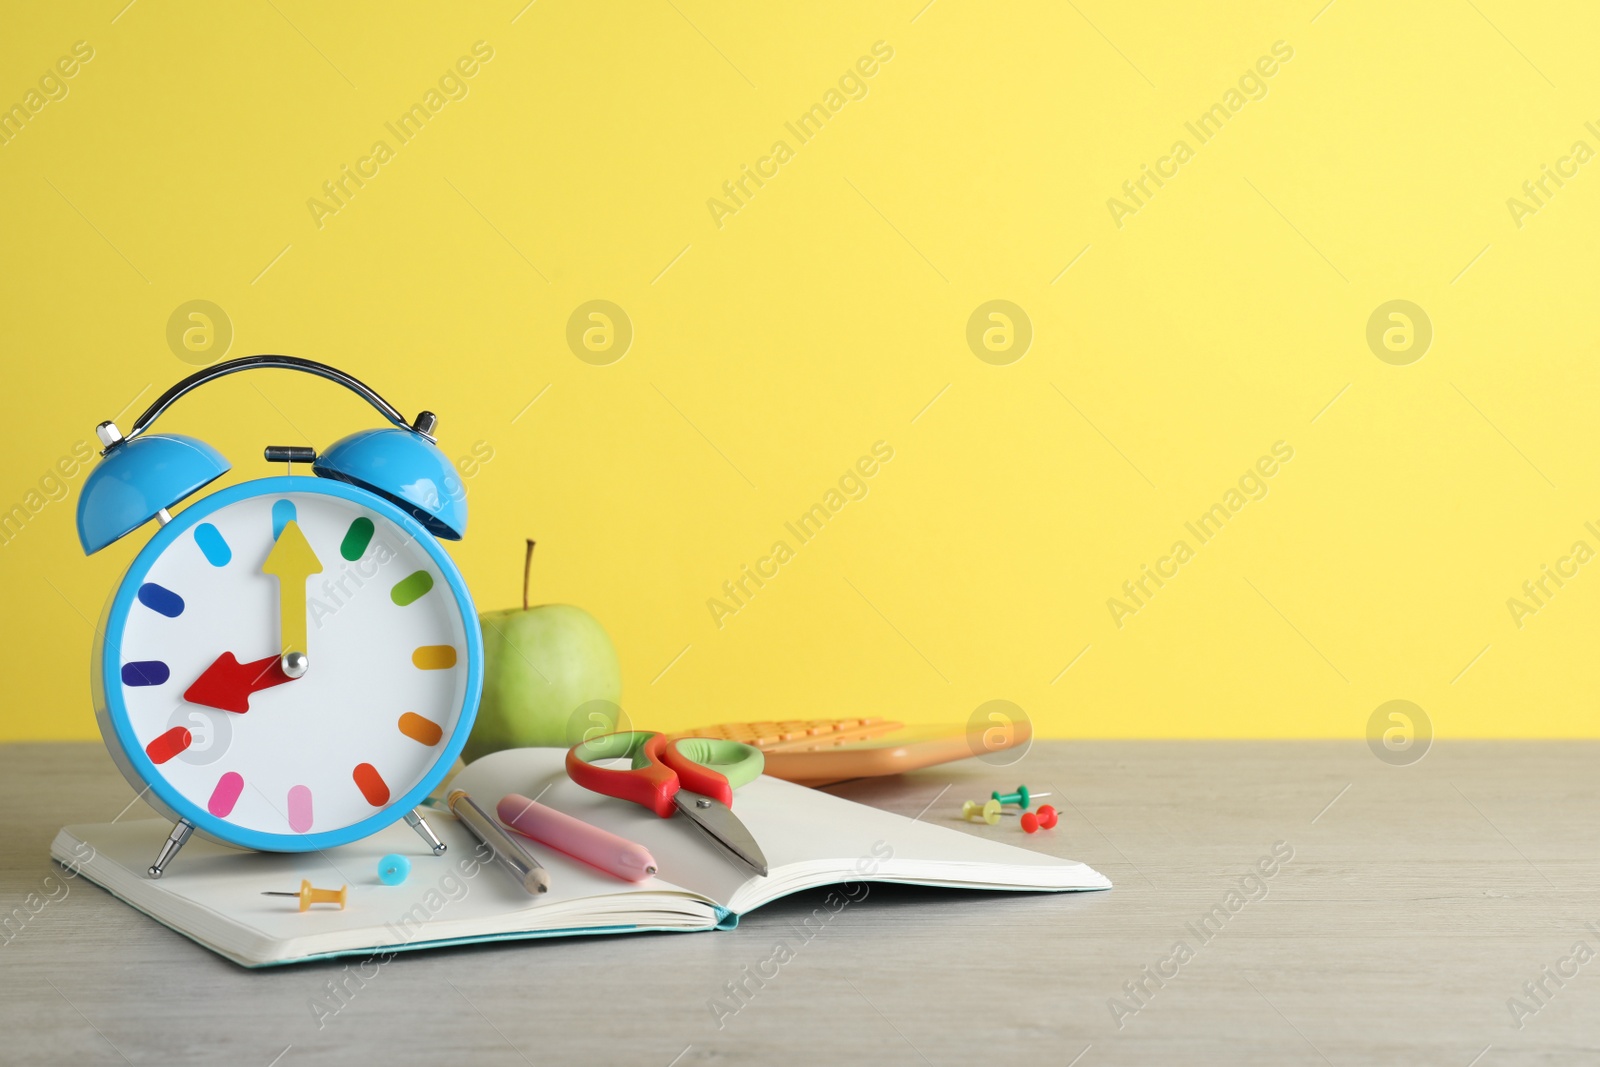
(1418, 901)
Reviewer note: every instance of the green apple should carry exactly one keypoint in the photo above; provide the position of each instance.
(550, 676)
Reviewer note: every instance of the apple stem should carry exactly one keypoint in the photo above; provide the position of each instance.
(527, 568)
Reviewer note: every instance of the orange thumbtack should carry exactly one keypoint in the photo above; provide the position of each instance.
(309, 896)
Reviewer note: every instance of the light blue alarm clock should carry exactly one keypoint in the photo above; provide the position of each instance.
(290, 663)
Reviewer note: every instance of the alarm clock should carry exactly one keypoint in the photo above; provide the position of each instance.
(291, 663)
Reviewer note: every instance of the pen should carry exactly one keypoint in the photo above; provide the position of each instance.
(594, 846)
(508, 852)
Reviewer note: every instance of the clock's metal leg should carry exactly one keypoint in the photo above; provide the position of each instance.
(415, 820)
(176, 840)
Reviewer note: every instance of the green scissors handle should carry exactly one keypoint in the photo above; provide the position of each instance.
(740, 764)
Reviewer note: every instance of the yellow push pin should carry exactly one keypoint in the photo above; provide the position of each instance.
(989, 811)
(309, 896)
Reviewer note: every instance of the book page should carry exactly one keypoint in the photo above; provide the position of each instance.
(684, 857)
(810, 838)
(213, 893)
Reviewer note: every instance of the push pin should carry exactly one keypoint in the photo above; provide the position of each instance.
(1021, 798)
(989, 811)
(393, 869)
(309, 896)
(1044, 819)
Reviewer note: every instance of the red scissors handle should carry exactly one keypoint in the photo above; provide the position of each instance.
(695, 777)
(659, 770)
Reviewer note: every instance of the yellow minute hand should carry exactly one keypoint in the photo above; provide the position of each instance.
(292, 561)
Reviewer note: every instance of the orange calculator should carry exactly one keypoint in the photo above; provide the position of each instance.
(824, 751)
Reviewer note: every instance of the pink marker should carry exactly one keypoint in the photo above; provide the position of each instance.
(598, 848)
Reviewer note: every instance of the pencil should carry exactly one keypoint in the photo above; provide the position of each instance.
(511, 856)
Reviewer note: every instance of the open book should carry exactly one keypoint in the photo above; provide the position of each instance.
(212, 893)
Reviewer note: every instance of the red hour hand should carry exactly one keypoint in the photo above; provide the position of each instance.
(227, 684)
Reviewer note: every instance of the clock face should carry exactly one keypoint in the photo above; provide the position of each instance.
(200, 678)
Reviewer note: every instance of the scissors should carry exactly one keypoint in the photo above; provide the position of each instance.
(694, 775)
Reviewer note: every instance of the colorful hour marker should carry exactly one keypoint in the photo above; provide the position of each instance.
(371, 784)
(161, 600)
(411, 588)
(169, 744)
(422, 730)
(434, 657)
(225, 795)
(145, 672)
(283, 514)
(356, 539)
(211, 542)
(299, 809)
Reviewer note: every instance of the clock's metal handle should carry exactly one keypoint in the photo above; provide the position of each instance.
(424, 423)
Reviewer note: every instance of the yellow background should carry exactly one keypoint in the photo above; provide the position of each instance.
(827, 313)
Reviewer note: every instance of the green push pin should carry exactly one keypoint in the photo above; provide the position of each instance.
(1022, 798)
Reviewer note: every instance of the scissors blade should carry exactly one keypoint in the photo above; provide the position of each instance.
(720, 824)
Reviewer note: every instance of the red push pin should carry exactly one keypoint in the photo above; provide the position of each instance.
(1045, 818)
